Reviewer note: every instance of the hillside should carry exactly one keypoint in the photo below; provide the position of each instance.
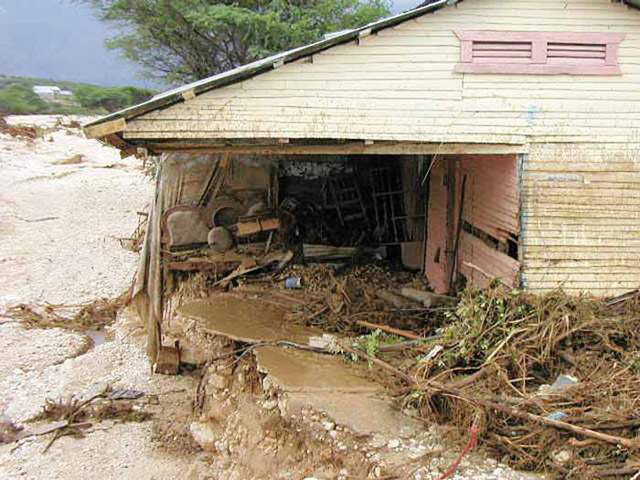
(17, 97)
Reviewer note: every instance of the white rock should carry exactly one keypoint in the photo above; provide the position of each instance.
(328, 425)
(395, 443)
(204, 435)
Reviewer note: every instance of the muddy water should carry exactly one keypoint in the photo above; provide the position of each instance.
(98, 337)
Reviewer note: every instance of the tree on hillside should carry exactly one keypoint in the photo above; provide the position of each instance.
(110, 98)
(184, 40)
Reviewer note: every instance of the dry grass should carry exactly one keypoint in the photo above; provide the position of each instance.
(89, 316)
(525, 342)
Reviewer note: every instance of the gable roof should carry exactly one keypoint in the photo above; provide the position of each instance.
(97, 128)
(238, 74)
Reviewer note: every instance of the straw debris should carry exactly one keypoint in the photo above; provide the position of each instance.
(94, 315)
(503, 353)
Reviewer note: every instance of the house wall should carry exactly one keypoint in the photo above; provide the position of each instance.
(581, 218)
(400, 84)
(580, 180)
(490, 215)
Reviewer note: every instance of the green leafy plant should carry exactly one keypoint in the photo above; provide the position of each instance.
(184, 40)
(372, 342)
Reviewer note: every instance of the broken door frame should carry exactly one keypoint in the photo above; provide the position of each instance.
(486, 243)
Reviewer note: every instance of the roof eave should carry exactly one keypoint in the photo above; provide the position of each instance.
(115, 120)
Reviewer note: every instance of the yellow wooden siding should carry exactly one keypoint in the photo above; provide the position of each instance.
(400, 85)
(581, 180)
(581, 217)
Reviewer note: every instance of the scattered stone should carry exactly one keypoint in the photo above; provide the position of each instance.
(217, 381)
(328, 425)
(204, 436)
(393, 444)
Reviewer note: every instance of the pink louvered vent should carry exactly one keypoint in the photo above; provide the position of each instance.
(544, 53)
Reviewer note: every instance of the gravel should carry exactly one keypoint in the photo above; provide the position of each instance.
(59, 226)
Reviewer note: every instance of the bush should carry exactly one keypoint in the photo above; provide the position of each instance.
(20, 99)
(110, 99)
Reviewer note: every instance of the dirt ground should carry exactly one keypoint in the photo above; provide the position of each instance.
(59, 225)
(60, 220)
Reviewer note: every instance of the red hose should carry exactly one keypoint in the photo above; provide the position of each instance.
(473, 441)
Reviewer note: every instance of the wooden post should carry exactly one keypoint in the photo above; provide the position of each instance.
(452, 169)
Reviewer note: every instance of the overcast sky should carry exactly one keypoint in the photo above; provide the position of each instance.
(62, 40)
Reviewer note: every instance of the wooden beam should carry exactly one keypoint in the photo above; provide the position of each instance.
(104, 129)
(349, 148)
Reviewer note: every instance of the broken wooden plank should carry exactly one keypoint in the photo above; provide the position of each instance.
(200, 266)
(428, 299)
(396, 299)
(244, 229)
(328, 252)
(168, 361)
(104, 129)
(388, 329)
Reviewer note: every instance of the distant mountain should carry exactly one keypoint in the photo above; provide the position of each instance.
(62, 40)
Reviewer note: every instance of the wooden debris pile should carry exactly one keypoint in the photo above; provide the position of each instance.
(349, 298)
(75, 415)
(550, 382)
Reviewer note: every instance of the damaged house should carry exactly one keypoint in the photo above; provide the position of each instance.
(469, 140)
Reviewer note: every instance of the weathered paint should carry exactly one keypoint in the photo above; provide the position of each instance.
(581, 215)
(400, 84)
(580, 188)
(491, 204)
(539, 53)
(475, 253)
(438, 241)
(492, 201)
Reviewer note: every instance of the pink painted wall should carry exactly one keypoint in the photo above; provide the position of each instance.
(491, 204)
(436, 261)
